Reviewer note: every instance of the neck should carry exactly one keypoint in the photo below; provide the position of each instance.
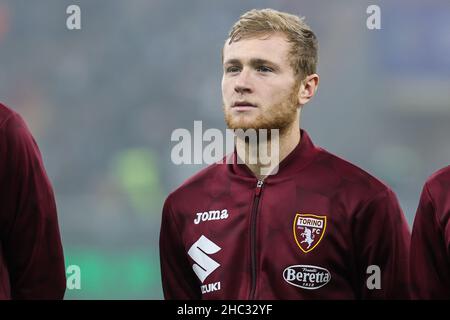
(253, 153)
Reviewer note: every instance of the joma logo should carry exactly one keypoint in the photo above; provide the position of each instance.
(211, 215)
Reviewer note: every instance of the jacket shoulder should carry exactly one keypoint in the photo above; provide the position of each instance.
(439, 176)
(438, 183)
(200, 182)
(352, 176)
(5, 114)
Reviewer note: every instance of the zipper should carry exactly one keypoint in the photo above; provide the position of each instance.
(253, 237)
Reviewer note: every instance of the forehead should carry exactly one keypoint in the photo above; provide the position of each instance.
(273, 48)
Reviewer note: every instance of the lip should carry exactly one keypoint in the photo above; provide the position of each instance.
(243, 105)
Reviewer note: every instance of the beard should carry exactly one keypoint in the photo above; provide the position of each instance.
(280, 116)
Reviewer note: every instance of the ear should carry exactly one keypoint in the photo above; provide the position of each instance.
(308, 88)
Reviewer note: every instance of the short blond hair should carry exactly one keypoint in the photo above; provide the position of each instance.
(303, 55)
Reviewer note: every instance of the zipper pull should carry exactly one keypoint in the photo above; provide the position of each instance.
(259, 187)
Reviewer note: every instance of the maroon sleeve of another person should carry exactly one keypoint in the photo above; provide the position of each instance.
(31, 254)
(430, 243)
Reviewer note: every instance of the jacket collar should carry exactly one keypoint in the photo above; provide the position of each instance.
(296, 160)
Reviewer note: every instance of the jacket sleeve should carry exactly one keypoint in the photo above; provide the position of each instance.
(381, 239)
(429, 263)
(178, 279)
(29, 231)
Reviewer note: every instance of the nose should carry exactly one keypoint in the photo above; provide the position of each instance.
(242, 84)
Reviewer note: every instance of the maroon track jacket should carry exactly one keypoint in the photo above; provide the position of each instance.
(430, 243)
(31, 255)
(320, 228)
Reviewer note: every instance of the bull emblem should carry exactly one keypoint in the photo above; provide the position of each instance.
(309, 230)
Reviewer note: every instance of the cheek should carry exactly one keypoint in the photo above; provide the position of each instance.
(279, 92)
(274, 96)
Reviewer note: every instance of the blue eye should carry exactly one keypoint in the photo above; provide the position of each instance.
(232, 69)
(264, 69)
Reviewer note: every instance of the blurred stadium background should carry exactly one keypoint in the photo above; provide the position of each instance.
(103, 101)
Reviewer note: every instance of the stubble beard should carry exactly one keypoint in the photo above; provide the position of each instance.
(280, 116)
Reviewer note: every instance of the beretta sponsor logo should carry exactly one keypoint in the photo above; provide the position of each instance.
(306, 276)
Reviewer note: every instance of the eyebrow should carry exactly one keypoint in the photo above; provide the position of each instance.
(253, 62)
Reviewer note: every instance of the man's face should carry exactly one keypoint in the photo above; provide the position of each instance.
(259, 87)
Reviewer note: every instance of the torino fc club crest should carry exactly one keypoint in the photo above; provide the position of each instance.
(309, 230)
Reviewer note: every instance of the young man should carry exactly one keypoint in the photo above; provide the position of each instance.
(430, 243)
(31, 255)
(319, 228)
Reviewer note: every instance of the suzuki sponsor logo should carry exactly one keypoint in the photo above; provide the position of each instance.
(204, 265)
(306, 276)
(211, 215)
(206, 288)
(199, 252)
